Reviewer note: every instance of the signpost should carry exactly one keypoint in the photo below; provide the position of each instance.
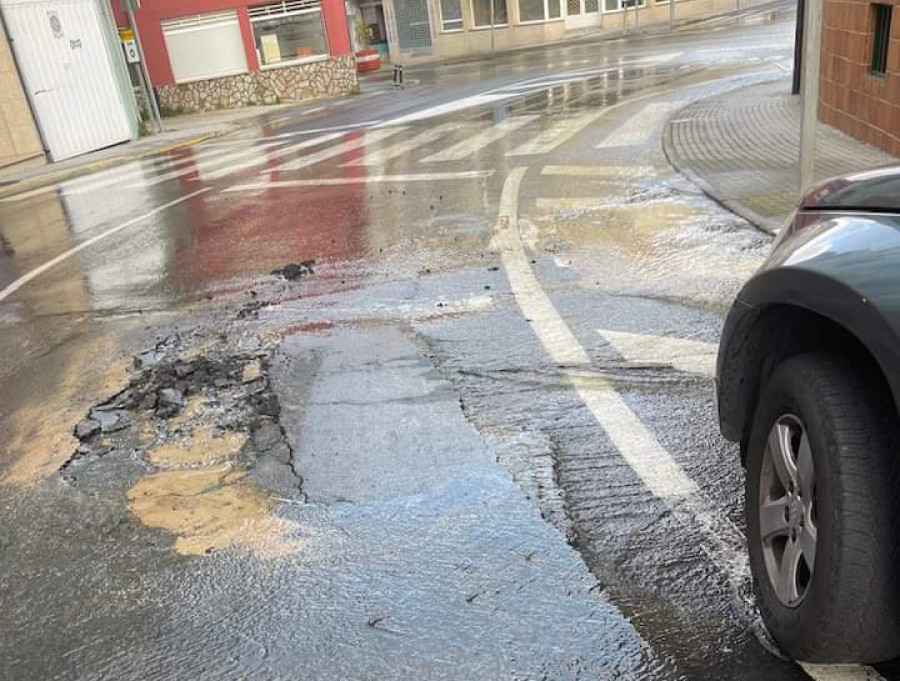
(812, 57)
(129, 7)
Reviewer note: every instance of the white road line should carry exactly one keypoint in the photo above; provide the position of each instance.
(367, 137)
(270, 156)
(332, 128)
(37, 271)
(841, 672)
(599, 171)
(382, 156)
(366, 179)
(661, 474)
(692, 356)
(479, 141)
(550, 138)
(450, 107)
(653, 464)
(641, 127)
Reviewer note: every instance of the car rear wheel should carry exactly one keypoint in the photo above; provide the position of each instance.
(821, 515)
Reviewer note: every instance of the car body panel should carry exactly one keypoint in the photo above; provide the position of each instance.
(844, 266)
(873, 190)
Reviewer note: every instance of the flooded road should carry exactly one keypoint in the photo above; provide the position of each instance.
(415, 387)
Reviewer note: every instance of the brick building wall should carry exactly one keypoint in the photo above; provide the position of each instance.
(852, 98)
(19, 141)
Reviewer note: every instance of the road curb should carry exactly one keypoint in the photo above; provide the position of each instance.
(764, 224)
(88, 168)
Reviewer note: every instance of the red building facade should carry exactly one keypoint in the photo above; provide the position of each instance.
(860, 85)
(207, 54)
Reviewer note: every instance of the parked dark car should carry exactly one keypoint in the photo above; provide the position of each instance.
(808, 381)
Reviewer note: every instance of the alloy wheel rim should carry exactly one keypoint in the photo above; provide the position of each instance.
(787, 510)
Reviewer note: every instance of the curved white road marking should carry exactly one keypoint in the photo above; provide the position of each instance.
(653, 464)
(38, 271)
(723, 542)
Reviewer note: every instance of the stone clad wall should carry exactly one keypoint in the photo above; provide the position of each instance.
(332, 76)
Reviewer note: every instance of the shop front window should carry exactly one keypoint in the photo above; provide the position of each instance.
(481, 13)
(451, 15)
(288, 31)
(538, 10)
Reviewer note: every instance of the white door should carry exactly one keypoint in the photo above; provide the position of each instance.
(65, 67)
(582, 14)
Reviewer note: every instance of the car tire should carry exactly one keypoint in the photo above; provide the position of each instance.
(844, 604)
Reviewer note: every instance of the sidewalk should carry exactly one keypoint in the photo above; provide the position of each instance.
(742, 149)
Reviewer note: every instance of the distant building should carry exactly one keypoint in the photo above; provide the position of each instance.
(419, 30)
(860, 84)
(210, 54)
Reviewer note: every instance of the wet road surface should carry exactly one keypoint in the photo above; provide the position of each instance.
(468, 434)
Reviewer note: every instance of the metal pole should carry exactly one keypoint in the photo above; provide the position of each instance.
(149, 95)
(812, 58)
(798, 47)
(492, 26)
(671, 13)
(637, 14)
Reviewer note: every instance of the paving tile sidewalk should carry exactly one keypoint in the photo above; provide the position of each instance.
(742, 149)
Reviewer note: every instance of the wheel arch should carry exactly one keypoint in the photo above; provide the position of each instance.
(763, 338)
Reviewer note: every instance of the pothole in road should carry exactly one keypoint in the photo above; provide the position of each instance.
(205, 437)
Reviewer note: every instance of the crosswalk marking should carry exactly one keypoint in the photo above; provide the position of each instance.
(365, 138)
(270, 156)
(641, 127)
(381, 156)
(208, 164)
(556, 135)
(117, 175)
(364, 179)
(477, 142)
(605, 172)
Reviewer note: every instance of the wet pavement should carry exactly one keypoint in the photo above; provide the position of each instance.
(417, 388)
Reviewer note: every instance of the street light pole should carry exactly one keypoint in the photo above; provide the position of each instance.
(671, 13)
(812, 57)
(492, 26)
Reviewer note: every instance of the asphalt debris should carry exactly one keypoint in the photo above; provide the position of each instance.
(294, 271)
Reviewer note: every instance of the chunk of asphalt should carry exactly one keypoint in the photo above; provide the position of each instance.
(169, 401)
(147, 359)
(86, 429)
(280, 452)
(274, 475)
(251, 371)
(294, 271)
(266, 436)
(110, 420)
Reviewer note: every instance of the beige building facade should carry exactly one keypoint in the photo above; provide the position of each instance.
(20, 144)
(411, 31)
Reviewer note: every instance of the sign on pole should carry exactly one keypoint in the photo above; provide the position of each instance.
(132, 54)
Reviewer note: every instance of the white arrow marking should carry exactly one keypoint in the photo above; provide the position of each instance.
(692, 356)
